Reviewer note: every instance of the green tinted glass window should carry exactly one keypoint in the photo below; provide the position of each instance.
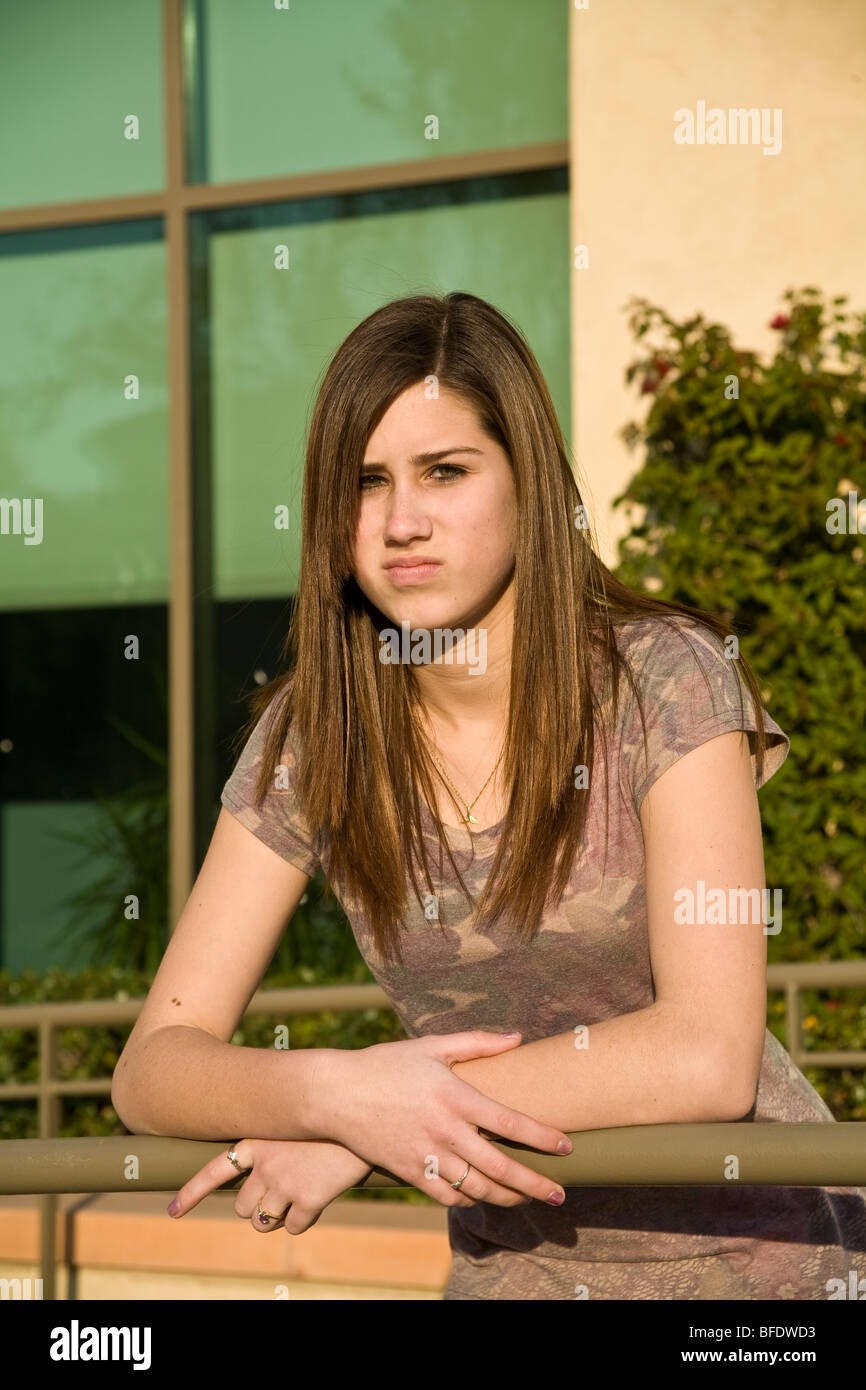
(80, 100)
(83, 449)
(337, 84)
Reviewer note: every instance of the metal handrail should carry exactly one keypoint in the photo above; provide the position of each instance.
(799, 1149)
(784, 1153)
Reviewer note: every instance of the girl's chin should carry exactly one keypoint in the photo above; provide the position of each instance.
(423, 610)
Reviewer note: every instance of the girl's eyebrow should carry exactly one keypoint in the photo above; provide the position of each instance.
(421, 460)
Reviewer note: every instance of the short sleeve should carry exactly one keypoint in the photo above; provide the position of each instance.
(279, 821)
(691, 692)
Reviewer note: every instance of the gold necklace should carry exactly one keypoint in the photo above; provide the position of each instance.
(468, 818)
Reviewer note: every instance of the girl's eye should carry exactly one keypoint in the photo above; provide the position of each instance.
(451, 468)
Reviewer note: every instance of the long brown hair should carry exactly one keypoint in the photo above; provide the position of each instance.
(360, 759)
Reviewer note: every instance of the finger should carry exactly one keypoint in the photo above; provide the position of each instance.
(299, 1219)
(474, 1187)
(479, 1188)
(270, 1212)
(492, 1164)
(512, 1126)
(217, 1171)
(461, 1047)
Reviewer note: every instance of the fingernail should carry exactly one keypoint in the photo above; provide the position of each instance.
(512, 1034)
(174, 1208)
(564, 1146)
(556, 1199)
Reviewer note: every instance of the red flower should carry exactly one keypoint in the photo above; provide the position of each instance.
(840, 439)
(662, 367)
(648, 386)
(780, 321)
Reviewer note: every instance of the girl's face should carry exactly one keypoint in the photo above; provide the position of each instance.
(459, 512)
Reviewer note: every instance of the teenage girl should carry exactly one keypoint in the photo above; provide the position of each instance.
(515, 828)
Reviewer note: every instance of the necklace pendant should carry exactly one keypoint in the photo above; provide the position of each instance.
(469, 818)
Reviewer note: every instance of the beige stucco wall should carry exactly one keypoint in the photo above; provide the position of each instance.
(719, 229)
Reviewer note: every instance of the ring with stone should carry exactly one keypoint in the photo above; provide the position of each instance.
(269, 1214)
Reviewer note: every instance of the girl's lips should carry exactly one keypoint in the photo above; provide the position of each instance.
(412, 574)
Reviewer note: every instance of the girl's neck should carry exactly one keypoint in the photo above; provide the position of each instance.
(460, 704)
(468, 754)
(464, 717)
(461, 694)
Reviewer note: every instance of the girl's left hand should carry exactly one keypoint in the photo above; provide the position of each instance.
(301, 1175)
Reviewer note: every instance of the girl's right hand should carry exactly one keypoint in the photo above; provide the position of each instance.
(399, 1106)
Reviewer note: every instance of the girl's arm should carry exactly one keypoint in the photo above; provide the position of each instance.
(694, 1055)
(179, 1074)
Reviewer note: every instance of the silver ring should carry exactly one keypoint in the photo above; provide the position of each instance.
(232, 1156)
(458, 1184)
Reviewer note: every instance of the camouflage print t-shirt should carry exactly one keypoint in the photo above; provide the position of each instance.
(590, 961)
